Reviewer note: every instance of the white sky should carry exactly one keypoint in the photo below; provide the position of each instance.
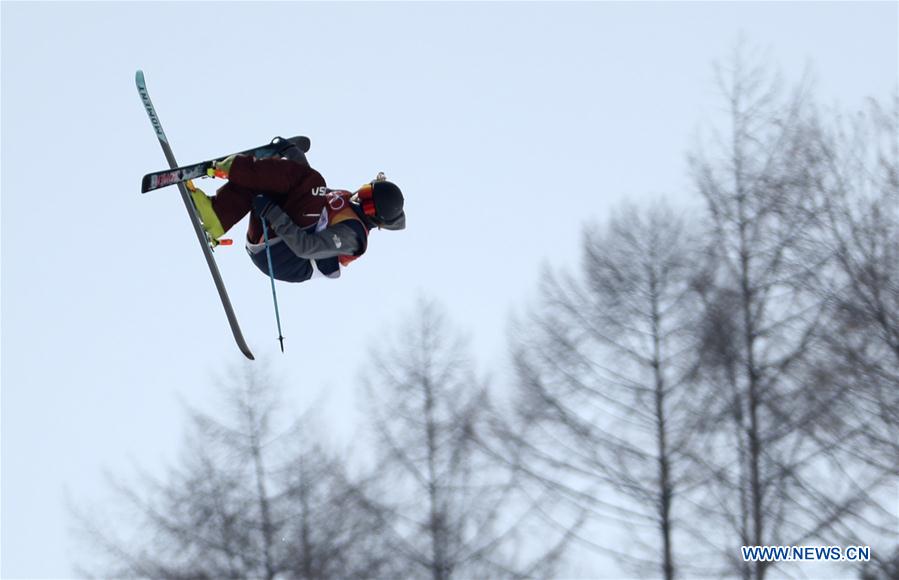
(507, 125)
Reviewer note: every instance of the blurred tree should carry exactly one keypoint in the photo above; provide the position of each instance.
(858, 363)
(604, 376)
(451, 509)
(245, 501)
(792, 478)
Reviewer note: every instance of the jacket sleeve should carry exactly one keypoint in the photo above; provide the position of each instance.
(270, 174)
(339, 240)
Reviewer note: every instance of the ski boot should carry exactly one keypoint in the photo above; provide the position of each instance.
(203, 205)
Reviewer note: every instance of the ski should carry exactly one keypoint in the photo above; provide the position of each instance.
(198, 228)
(175, 175)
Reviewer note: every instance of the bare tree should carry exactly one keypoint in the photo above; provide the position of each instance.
(861, 182)
(859, 360)
(787, 479)
(759, 331)
(247, 500)
(451, 509)
(604, 374)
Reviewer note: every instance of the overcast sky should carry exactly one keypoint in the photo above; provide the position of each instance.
(507, 125)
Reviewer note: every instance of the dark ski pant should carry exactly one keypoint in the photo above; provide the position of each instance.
(232, 202)
(286, 266)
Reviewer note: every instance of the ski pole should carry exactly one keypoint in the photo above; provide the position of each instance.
(271, 275)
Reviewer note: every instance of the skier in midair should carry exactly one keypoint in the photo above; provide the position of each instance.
(312, 230)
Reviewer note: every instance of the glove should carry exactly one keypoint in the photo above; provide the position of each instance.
(261, 205)
(221, 168)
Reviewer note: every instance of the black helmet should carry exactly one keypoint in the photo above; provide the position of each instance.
(388, 201)
(382, 201)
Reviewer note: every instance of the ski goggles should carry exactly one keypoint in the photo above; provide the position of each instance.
(366, 197)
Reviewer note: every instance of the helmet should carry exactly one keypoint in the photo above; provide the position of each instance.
(382, 201)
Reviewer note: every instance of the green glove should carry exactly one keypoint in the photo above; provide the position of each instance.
(221, 168)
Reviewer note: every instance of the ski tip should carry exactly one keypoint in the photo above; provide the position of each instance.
(139, 77)
(145, 184)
